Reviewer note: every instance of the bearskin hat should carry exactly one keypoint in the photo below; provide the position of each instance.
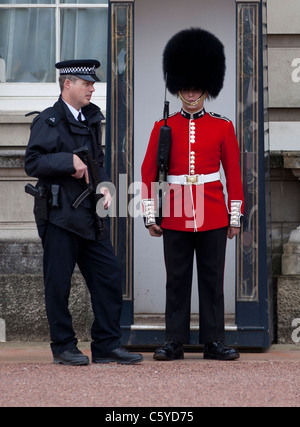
(194, 58)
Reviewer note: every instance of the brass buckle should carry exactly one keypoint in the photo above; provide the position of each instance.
(191, 179)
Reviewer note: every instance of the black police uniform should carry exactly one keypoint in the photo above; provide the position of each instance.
(69, 235)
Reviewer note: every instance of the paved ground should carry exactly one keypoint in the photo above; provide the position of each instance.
(28, 378)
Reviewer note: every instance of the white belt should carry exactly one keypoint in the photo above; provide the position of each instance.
(193, 179)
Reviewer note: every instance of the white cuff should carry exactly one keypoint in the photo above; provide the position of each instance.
(149, 212)
(235, 213)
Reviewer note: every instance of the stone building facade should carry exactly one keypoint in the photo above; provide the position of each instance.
(284, 122)
(21, 290)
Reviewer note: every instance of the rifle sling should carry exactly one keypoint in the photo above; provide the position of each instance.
(81, 197)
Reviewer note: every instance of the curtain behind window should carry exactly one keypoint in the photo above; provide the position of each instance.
(27, 41)
(27, 44)
(84, 35)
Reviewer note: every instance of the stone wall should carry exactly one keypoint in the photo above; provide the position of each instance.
(285, 211)
(284, 116)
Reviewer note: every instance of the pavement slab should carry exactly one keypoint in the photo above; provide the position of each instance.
(271, 378)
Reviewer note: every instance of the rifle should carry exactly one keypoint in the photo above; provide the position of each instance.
(163, 156)
(94, 179)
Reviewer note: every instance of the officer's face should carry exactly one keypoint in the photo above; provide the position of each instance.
(79, 92)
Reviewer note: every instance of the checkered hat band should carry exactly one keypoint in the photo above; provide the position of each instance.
(78, 70)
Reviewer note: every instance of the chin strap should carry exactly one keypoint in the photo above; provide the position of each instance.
(235, 213)
(201, 98)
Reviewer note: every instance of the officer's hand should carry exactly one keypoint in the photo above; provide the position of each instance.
(232, 231)
(107, 197)
(155, 230)
(80, 169)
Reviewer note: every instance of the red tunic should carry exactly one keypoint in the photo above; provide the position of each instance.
(199, 146)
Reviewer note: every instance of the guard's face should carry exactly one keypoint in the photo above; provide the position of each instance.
(79, 92)
(191, 95)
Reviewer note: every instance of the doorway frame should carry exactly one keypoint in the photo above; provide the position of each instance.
(254, 294)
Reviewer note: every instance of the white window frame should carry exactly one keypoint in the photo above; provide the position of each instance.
(38, 96)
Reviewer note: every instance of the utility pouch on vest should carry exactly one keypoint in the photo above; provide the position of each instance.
(55, 196)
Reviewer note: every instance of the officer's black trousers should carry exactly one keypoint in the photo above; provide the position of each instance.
(101, 271)
(179, 250)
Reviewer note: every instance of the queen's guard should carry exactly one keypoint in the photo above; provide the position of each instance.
(195, 216)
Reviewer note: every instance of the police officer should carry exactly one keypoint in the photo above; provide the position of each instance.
(70, 235)
(195, 216)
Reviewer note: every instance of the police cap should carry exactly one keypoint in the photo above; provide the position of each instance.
(83, 68)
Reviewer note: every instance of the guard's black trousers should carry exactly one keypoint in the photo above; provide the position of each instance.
(102, 273)
(179, 250)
